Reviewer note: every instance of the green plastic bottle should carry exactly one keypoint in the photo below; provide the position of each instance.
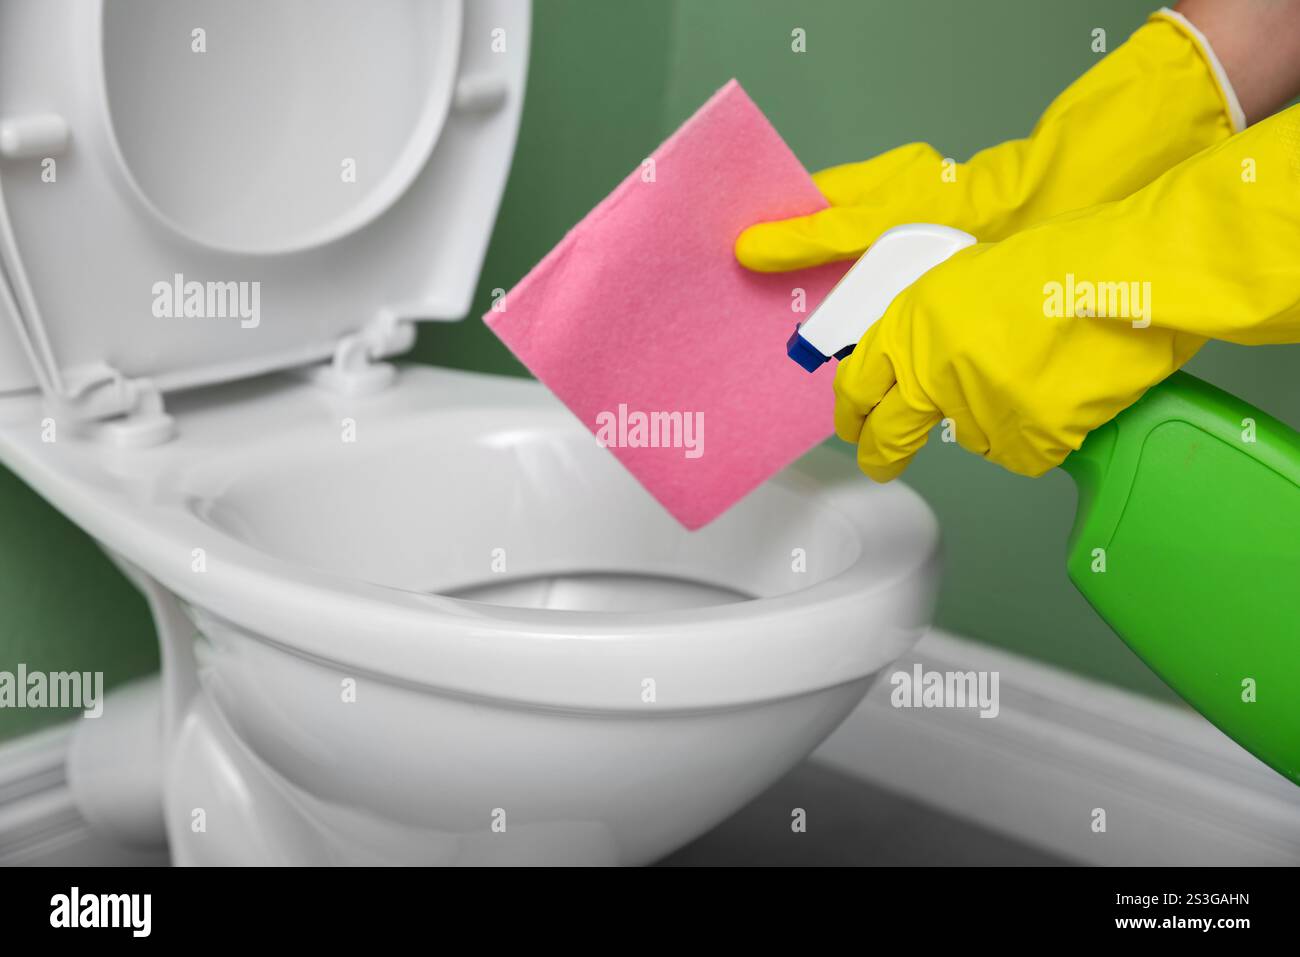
(1187, 543)
(1187, 537)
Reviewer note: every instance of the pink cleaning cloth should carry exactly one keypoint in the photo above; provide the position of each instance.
(642, 322)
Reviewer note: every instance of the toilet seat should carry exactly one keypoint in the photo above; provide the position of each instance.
(342, 266)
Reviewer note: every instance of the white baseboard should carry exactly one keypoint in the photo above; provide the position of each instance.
(39, 823)
(1176, 791)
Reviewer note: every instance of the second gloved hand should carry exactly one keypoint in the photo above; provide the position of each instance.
(970, 343)
(1029, 344)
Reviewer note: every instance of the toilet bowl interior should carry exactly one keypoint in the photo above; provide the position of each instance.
(601, 591)
(518, 506)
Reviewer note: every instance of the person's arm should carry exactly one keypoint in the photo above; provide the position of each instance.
(1258, 43)
(1029, 344)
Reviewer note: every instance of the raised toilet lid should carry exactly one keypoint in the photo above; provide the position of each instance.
(241, 184)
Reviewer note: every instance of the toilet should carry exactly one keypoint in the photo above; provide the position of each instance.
(407, 615)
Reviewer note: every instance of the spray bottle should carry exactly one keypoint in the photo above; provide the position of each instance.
(1186, 538)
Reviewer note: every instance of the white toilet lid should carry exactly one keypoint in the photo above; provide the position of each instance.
(244, 182)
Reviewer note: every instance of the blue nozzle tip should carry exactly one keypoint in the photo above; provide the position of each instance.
(801, 351)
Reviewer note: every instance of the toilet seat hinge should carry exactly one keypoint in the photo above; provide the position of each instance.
(353, 370)
(127, 413)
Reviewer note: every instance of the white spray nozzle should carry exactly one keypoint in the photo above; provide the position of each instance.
(897, 259)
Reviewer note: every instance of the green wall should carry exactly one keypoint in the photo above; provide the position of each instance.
(608, 82)
(63, 607)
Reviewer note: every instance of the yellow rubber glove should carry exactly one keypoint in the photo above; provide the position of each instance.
(1148, 105)
(1029, 344)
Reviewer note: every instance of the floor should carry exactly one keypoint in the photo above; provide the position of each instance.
(849, 823)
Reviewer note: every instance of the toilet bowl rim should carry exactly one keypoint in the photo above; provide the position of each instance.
(723, 656)
(454, 644)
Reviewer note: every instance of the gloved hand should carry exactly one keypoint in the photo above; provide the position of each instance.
(1148, 105)
(1031, 343)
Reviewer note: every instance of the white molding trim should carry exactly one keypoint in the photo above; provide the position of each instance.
(1175, 789)
(39, 822)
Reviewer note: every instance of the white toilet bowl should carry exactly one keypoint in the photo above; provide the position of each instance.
(406, 615)
(471, 616)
